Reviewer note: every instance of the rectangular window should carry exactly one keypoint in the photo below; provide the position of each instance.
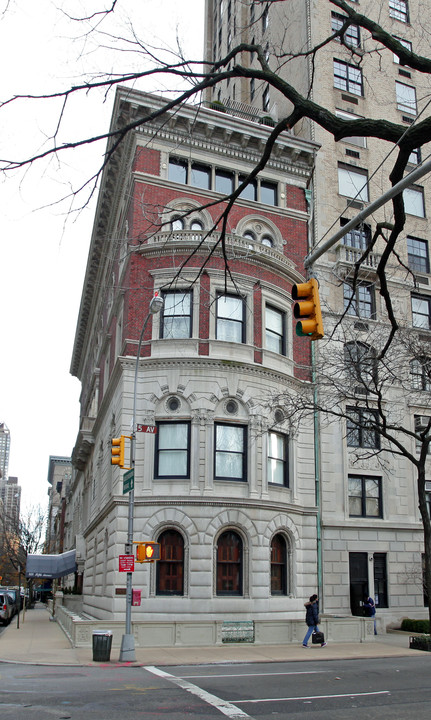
(360, 431)
(351, 35)
(359, 237)
(353, 182)
(230, 452)
(359, 301)
(268, 192)
(421, 312)
(275, 330)
(405, 43)
(178, 170)
(348, 77)
(224, 182)
(250, 191)
(365, 496)
(277, 459)
(252, 89)
(418, 257)
(230, 318)
(414, 201)
(200, 176)
(420, 374)
(176, 319)
(380, 581)
(353, 139)
(399, 10)
(172, 459)
(406, 98)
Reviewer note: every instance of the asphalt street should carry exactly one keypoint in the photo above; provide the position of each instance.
(395, 688)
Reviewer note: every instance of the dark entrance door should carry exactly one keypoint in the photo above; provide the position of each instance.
(358, 568)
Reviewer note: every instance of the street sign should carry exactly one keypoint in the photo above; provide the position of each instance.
(128, 481)
(127, 563)
(151, 429)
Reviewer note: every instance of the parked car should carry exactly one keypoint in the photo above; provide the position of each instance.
(14, 598)
(6, 613)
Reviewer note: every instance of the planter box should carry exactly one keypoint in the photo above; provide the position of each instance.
(420, 643)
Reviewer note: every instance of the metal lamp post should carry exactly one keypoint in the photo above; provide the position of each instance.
(127, 651)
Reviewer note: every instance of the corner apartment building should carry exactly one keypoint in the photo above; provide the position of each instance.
(222, 486)
(371, 529)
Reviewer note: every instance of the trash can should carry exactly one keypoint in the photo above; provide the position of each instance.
(102, 642)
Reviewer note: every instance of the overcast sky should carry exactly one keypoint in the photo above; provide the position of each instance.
(44, 246)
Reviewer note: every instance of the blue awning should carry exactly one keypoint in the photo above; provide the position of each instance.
(51, 566)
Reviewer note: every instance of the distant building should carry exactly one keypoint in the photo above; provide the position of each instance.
(4, 451)
(10, 494)
(59, 477)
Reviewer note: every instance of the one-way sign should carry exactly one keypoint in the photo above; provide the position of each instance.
(128, 481)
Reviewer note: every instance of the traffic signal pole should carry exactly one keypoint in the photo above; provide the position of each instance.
(127, 650)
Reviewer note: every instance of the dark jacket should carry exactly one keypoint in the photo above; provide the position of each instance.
(370, 608)
(312, 613)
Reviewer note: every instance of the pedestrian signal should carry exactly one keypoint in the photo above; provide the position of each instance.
(307, 310)
(147, 551)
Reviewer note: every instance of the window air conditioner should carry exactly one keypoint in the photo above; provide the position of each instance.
(421, 421)
(427, 486)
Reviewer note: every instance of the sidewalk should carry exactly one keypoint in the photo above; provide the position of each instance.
(39, 641)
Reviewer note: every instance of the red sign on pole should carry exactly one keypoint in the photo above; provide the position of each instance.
(152, 429)
(127, 563)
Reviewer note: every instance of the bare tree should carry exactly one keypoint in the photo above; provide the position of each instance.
(19, 537)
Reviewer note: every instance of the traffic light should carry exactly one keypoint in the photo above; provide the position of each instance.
(307, 309)
(117, 451)
(147, 551)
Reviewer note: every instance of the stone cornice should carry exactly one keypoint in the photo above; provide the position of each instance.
(202, 501)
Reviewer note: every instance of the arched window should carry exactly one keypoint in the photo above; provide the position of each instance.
(196, 225)
(268, 241)
(177, 224)
(229, 564)
(170, 567)
(279, 570)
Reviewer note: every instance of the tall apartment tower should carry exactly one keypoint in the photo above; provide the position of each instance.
(222, 485)
(10, 495)
(4, 451)
(371, 544)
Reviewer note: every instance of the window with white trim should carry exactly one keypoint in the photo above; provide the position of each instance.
(230, 318)
(359, 300)
(418, 256)
(421, 311)
(278, 459)
(275, 330)
(230, 452)
(414, 201)
(353, 182)
(352, 139)
(172, 456)
(176, 317)
(406, 98)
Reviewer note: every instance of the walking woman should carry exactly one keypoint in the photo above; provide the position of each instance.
(312, 619)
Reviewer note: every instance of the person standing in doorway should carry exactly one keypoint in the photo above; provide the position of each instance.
(311, 619)
(370, 611)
